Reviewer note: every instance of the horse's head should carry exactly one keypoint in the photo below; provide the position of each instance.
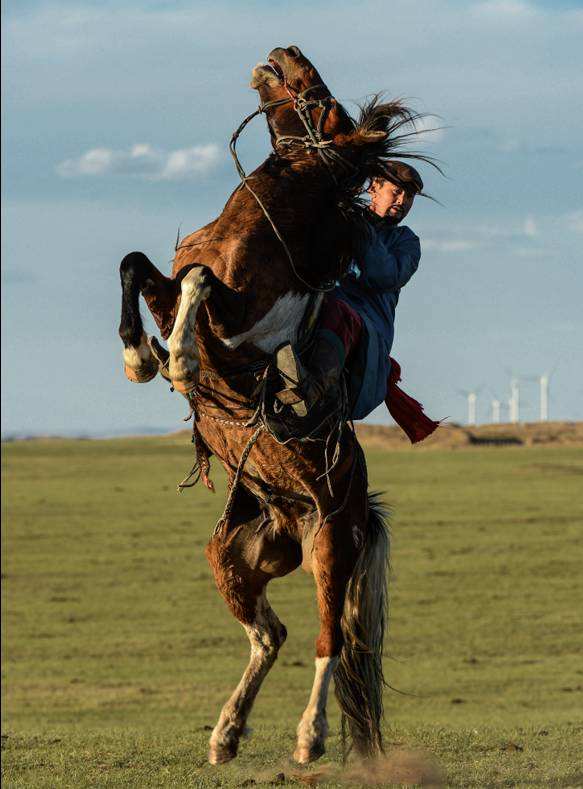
(301, 111)
(288, 82)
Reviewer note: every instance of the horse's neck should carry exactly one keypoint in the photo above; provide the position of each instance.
(259, 302)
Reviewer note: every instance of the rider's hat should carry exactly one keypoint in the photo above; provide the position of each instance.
(404, 175)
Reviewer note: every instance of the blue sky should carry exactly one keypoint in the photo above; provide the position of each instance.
(115, 130)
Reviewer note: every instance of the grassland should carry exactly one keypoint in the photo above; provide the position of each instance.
(119, 652)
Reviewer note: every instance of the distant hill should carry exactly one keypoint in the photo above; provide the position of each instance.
(454, 436)
(449, 436)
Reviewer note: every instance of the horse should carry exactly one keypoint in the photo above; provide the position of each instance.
(240, 287)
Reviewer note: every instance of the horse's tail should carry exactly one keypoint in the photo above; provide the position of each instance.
(358, 678)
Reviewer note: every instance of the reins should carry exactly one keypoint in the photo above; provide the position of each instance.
(313, 139)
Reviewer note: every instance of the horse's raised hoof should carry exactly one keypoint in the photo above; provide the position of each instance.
(140, 366)
(184, 387)
(306, 754)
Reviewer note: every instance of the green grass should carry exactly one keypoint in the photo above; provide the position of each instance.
(119, 652)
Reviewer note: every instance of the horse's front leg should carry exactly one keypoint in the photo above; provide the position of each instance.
(140, 276)
(184, 362)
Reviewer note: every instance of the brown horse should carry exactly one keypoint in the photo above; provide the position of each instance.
(240, 287)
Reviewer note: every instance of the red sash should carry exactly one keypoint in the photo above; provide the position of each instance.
(407, 412)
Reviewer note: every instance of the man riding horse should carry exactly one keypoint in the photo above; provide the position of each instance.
(356, 327)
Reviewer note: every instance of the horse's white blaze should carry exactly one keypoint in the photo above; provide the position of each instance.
(262, 634)
(134, 358)
(184, 359)
(279, 325)
(313, 727)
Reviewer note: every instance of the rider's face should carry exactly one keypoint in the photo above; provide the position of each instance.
(390, 201)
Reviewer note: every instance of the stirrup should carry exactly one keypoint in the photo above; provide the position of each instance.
(290, 369)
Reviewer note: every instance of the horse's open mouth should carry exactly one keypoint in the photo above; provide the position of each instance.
(267, 73)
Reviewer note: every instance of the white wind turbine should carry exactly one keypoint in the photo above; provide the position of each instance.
(544, 381)
(544, 397)
(472, 401)
(496, 405)
(514, 400)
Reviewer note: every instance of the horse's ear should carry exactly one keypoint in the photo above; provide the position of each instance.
(379, 123)
(362, 136)
(374, 136)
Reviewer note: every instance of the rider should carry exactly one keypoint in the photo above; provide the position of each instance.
(356, 326)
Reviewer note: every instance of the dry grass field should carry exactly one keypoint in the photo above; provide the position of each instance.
(118, 652)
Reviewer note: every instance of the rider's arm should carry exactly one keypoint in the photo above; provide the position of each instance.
(389, 266)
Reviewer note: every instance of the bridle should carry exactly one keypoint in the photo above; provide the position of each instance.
(314, 137)
(312, 140)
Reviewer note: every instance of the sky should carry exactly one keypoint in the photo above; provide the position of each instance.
(116, 122)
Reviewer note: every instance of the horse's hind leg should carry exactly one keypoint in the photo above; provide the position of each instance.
(334, 554)
(140, 276)
(333, 559)
(243, 563)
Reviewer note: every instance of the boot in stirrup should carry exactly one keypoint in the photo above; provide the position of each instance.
(306, 389)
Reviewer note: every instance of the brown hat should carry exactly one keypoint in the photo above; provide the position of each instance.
(404, 175)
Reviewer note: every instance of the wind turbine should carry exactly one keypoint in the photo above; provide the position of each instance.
(543, 383)
(472, 401)
(544, 398)
(543, 386)
(495, 403)
(514, 400)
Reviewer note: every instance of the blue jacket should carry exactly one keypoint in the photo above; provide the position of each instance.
(386, 262)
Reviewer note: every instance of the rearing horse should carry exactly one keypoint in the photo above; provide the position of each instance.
(240, 287)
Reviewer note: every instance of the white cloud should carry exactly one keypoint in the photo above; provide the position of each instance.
(186, 162)
(97, 161)
(449, 245)
(145, 161)
(515, 237)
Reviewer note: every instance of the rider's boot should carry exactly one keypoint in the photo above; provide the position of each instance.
(307, 389)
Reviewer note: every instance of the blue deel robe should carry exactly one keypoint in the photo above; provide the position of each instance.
(386, 261)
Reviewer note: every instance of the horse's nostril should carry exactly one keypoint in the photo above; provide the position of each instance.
(294, 51)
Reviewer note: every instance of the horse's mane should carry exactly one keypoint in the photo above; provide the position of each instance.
(396, 125)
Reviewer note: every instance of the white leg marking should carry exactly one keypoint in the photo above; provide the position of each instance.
(140, 365)
(265, 636)
(280, 324)
(183, 363)
(313, 727)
